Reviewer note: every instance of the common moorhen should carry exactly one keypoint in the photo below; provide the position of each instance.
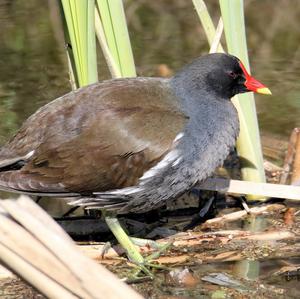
(130, 144)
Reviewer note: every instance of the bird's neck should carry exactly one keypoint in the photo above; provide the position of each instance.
(194, 95)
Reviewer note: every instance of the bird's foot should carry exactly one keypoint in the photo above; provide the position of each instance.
(142, 265)
(148, 243)
(201, 216)
(107, 246)
(148, 264)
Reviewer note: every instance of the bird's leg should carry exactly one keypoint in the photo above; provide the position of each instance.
(200, 217)
(132, 252)
(116, 228)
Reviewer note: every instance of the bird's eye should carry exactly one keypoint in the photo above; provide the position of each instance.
(232, 74)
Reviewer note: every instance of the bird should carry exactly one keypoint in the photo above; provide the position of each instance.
(130, 144)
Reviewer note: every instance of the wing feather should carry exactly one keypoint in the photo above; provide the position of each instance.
(98, 138)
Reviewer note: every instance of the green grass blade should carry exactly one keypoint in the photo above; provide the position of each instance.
(79, 16)
(248, 144)
(217, 39)
(73, 79)
(111, 63)
(115, 28)
(206, 22)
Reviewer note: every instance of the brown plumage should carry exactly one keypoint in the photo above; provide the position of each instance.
(97, 138)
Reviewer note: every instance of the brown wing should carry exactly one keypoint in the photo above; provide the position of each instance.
(101, 137)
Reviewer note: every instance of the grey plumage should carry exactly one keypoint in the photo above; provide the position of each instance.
(208, 137)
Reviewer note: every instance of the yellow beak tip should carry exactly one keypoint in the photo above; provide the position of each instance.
(264, 90)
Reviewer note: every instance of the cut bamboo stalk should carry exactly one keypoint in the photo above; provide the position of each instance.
(40, 215)
(40, 253)
(241, 214)
(251, 188)
(28, 272)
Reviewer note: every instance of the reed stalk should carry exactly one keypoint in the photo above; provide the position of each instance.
(248, 143)
(79, 17)
(113, 20)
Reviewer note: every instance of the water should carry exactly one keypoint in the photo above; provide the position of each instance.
(33, 67)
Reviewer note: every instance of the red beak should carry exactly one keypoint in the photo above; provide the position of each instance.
(252, 84)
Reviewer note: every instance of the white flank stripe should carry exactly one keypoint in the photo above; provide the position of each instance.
(170, 158)
(125, 191)
(178, 136)
(29, 155)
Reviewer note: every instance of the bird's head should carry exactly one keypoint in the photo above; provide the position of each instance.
(220, 74)
(227, 75)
